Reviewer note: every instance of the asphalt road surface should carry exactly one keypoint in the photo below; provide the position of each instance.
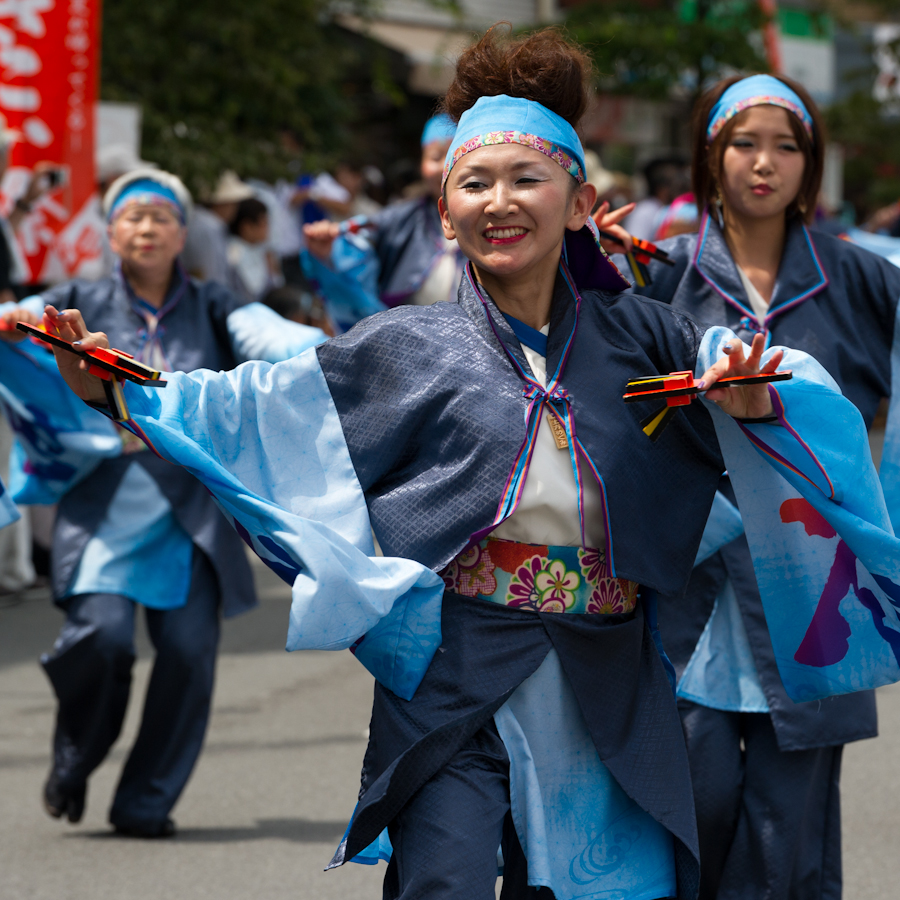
(277, 781)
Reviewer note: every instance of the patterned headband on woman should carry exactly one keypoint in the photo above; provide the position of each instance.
(148, 187)
(757, 90)
(514, 120)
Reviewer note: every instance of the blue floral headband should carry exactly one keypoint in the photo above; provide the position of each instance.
(147, 192)
(757, 90)
(514, 120)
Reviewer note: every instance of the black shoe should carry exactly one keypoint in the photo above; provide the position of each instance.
(60, 801)
(163, 829)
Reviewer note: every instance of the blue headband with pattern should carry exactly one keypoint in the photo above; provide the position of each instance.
(757, 90)
(147, 192)
(515, 120)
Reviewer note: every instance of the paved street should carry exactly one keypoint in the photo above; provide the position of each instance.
(278, 779)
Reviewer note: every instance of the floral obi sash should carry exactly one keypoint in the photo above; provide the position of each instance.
(540, 578)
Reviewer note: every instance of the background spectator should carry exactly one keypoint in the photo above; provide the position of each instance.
(205, 254)
(252, 266)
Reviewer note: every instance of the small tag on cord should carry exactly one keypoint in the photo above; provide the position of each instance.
(559, 432)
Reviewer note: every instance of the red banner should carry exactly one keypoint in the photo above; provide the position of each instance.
(49, 50)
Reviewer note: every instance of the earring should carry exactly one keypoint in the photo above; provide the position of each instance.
(801, 206)
(720, 206)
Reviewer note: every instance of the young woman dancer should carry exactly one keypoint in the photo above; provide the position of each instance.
(521, 703)
(766, 769)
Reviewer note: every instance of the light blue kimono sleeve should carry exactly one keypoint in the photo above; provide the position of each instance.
(349, 284)
(266, 440)
(59, 440)
(258, 332)
(826, 559)
(880, 244)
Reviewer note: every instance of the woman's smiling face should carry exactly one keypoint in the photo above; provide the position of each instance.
(509, 206)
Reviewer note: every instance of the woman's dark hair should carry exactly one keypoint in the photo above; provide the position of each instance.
(249, 210)
(543, 66)
(706, 162)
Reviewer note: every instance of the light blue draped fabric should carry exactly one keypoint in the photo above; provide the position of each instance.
(721, 672)
(825, 556)
(880, 244)
(139, 550)
(59, 440)
(8, 511)
(582, 834)
(258, 332)
(267, 442)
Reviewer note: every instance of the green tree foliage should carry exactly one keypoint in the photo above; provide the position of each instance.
(650, 47)
(869, 132)
(242, 85)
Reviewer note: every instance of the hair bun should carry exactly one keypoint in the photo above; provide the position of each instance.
(544, 67)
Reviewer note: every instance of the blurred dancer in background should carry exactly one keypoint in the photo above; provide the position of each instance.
(666, 179)
(766, 769)
(132, 529)
(400, 257)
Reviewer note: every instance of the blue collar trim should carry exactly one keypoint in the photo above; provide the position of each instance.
(528, 336)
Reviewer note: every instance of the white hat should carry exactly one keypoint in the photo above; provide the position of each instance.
(595, 174)
(114, 160)
(230, 189)
(166, 179)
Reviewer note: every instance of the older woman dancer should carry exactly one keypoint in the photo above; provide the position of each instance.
(131, 529)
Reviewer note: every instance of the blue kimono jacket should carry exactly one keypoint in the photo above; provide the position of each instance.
(838, 303)
(384, 266)
(72, 455)
(409, 426)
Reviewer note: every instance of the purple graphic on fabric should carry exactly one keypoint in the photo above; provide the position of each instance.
(891, 589)
(870, 602)
(826, 639)
(287, 570)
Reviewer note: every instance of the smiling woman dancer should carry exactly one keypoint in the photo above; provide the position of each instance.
(767, 769)
(521, 703)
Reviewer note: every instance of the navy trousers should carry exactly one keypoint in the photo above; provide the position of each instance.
(90, 670)
(446, 838)
(769, 821)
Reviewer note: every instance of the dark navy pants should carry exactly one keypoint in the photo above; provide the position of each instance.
(446, 838)
(90, 670)
(769, 821)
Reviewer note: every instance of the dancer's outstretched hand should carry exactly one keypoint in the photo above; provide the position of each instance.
(320, 237)
(752, 401)
(70, 326)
